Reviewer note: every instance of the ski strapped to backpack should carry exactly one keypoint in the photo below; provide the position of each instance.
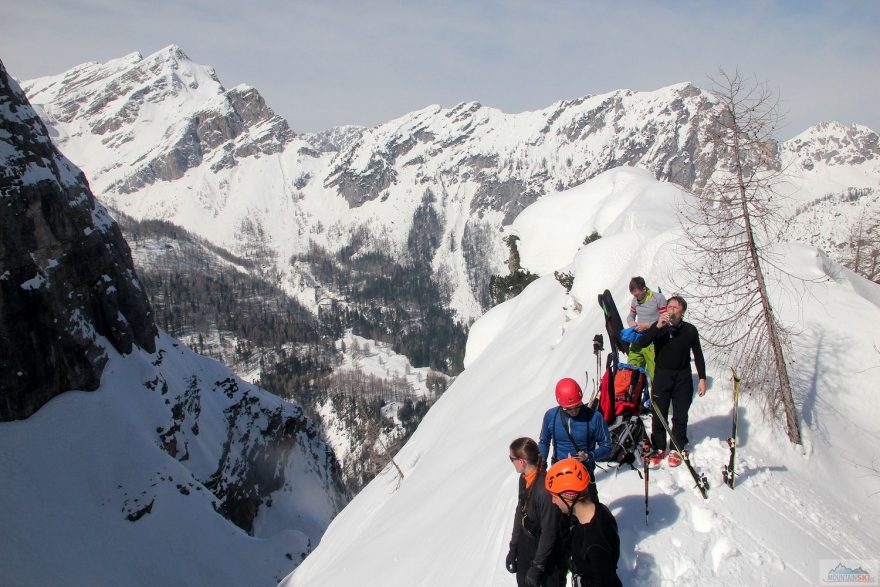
(728, 473)
(645, 465)
(613, 323)
(700, 480)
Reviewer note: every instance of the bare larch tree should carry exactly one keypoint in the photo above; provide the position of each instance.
(863, 255)
(729, 227)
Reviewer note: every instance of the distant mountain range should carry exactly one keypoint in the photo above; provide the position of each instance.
(160, 137)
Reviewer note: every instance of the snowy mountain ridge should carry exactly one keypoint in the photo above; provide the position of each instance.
(221, 164)
(159, 137)
(793, 507)
(152, 119)
(834, 144)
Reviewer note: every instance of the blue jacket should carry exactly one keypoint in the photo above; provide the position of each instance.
(588, 429)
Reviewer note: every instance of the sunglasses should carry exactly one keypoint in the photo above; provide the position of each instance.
(515, 459)
(572, 408)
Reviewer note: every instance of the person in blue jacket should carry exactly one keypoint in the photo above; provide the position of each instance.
(575, 430)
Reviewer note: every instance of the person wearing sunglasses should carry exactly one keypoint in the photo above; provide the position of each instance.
(575, 430)
(535, 553)
(593, 541)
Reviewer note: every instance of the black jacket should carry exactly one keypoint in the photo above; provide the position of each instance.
(536, 519)
(595, 549)
(673, 346)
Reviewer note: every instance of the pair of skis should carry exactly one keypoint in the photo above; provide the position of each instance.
(700, 480)
(728, 473)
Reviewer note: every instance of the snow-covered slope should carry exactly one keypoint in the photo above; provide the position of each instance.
(125, 485)
(449, 521)
(833, 179)
(127, 459)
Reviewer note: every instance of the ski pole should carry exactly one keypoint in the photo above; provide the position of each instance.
(645, 465)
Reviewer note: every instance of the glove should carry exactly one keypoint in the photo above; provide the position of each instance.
(534, 576)
(510, 563)
(587, 459)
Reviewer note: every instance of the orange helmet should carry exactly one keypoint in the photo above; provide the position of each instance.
(568, 393)
(568, 475)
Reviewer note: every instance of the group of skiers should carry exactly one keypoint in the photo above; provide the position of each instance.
(560, 525)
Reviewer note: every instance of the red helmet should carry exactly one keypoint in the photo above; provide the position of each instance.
(568, 475)
(568, 393)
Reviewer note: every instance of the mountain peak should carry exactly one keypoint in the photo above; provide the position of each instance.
(833, 143)
(171, 51)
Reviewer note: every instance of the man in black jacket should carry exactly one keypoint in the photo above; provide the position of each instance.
(674, 341)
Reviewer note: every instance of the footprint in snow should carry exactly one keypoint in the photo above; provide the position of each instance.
(702, 519)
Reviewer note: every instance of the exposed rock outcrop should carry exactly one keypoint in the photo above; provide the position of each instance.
(67, 284)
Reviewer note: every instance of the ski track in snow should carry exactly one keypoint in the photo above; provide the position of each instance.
(713, 534)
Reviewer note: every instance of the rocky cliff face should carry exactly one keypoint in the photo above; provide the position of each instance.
(199, 121)
(74, 316)
(242, 444)
(67, 285)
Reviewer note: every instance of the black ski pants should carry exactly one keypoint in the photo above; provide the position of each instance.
(554, 575)
(675, 388)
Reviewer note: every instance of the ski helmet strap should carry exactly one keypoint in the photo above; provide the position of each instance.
(577, 498)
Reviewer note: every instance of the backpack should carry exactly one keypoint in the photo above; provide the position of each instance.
(623, 393)
(628, 435)
(631, 335)
(628, 387)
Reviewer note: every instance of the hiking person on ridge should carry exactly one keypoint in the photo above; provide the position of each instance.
(645, 309)
(535, 551)
(674, 340)
(575, 430)
(593, 543)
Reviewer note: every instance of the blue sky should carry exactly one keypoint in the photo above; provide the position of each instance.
(326, 63)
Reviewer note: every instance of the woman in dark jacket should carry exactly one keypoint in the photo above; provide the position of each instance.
(534, 554)
(594, 544)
